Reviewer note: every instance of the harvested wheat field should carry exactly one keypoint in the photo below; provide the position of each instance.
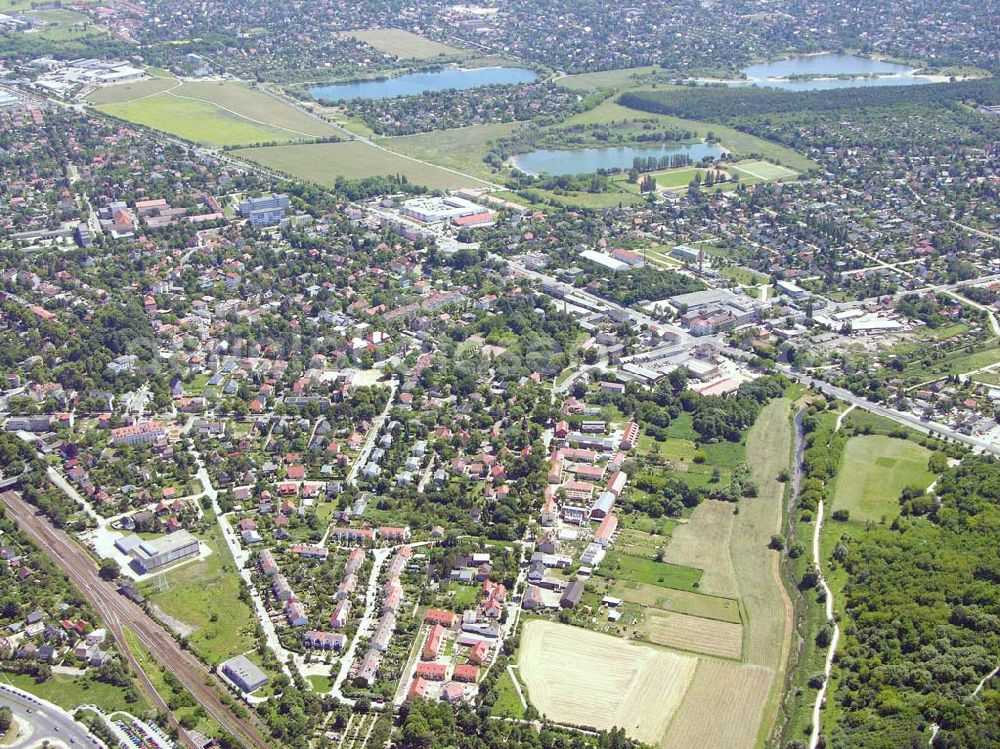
(693, 633)
(722, 708)
(585, 678)
(703, 542)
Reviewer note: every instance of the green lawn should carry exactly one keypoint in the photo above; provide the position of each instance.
(322, 163)
(592, 200)
(321, 684)
(404, 44)
(463, 596)
(743, 276)
(874, 471)
(640, 570)
(63, 25)
(206, 595)
(508, 704)
(71, 691)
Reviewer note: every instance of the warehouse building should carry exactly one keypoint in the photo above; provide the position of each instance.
(244, 673)
(150, 556)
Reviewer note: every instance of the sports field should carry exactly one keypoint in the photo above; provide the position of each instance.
(322, 163)
(764, 170)
(590, 679)
(404, 44)
(874, 472)
(694, 634)
(211, 113)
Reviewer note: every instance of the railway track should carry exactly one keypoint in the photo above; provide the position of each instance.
(118, 613)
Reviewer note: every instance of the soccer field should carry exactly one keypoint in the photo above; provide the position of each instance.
(764, 170)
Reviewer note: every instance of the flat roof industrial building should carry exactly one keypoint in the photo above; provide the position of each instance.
(151, 555)
(436, 210)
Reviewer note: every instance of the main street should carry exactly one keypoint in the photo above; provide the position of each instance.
(119, 613)
(40, 721)
(908, 420)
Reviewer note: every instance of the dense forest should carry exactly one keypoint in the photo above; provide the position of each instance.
(922, 624)
(724, 104)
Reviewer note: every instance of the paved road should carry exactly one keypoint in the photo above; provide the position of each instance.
(118, 612)
(366, 623)
(48, 722)
(908, 420)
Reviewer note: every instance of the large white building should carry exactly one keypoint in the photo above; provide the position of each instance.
(151, 555)
(437, 210)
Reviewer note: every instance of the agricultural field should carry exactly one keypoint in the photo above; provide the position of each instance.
(134, 90)
(404, 44)
(694, 634)
(211, 113)
(639, 688)
(722, 707)
(875, 471)
(705, 540)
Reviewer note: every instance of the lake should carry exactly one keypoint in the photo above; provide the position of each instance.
(413, 84)
(829, 64)
(560, 161)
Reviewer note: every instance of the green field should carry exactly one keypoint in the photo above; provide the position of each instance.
(508, 704)
(63, 25)
(593, 200)
(70, 691)
(404, 44)
(680, 601)
(648, 571)
(764, 170)
(619, 78)
(322, 163)
(875, 471)
(461, 148)
(211, 113)
(206, 596)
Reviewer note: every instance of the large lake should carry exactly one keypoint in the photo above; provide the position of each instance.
(558, 162)
(830, 64)
(413, 84)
